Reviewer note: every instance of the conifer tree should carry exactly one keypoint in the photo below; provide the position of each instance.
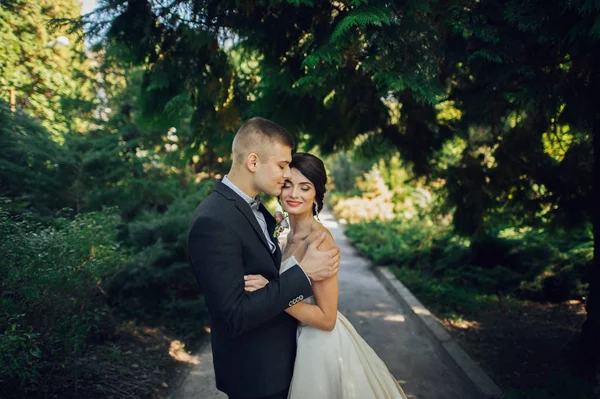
(43, 66)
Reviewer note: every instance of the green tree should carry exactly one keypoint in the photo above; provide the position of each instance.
(51, 80)
(29, 166)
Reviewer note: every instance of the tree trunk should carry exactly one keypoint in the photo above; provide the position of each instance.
(13, 106)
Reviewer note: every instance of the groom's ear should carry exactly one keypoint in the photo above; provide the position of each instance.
(251, 161)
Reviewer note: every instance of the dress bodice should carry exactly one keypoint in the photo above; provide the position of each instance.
(337, 363)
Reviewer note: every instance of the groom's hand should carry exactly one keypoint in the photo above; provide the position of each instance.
(320, 265)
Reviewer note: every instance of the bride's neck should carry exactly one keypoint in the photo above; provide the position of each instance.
(301, 225)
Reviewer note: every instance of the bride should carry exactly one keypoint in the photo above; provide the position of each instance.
(332, 360)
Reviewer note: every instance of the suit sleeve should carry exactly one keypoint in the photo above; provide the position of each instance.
(216, 258)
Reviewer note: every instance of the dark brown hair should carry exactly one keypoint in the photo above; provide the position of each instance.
(314, 169)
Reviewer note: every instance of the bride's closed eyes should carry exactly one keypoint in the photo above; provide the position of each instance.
(303, 187)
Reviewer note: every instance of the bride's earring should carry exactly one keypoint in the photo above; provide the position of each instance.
(316, 208)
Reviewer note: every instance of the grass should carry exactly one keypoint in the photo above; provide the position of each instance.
(445, 299)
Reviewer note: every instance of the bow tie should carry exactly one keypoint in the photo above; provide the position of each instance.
(255, 204)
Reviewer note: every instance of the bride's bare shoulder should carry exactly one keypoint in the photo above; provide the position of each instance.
(328, 243)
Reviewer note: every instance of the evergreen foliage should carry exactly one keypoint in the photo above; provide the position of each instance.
(53, 82)
(29, 159)
(52, 279)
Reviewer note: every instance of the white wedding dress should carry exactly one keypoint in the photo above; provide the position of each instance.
(338, 364)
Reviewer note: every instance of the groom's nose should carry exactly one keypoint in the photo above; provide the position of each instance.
(287, 172)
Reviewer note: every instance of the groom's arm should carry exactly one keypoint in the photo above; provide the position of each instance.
(216, 257)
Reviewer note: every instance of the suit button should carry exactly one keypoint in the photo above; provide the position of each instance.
(291, 303)
(301, 297)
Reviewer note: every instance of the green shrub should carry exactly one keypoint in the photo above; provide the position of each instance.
(343, 171)
(444, 298)
(374, 203)
(158, 285)
(58, 281)
(52, 278)
(20, 348)
(534, 264)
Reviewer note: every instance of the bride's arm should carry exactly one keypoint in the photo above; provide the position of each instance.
(323, 315)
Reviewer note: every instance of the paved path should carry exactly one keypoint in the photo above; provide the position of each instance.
(382, 322)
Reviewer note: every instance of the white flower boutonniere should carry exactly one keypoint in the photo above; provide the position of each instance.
(281, 225)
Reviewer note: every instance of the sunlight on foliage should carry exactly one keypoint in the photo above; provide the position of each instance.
(557, 143)
(514, 118)
(394, 110)
(451, 152)
(447, 111)
(374, 202)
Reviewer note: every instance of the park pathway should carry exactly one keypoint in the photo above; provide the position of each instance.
(382, 321)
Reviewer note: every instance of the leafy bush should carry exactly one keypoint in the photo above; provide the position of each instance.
(535, 264)
(444, 297)
(374, 203)
(158, 284)
(343, 171)
(52, 278)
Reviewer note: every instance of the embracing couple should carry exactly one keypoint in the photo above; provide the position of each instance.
(275, 329)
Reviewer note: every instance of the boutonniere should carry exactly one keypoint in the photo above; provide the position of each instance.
(281, 225)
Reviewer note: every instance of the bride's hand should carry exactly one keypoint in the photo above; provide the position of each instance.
(253, 282)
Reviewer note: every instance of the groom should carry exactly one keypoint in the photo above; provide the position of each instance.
(231, 235)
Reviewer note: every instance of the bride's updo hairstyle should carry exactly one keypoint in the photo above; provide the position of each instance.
(314, 170)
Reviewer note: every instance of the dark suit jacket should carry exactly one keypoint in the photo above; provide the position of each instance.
(253, 339)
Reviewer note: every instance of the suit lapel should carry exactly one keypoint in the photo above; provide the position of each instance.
(247, 212)
(271, 223)
(244, 208)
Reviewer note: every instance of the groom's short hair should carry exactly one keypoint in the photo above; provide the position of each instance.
(256, 134)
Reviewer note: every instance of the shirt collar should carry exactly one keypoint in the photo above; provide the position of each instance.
(236, 190)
